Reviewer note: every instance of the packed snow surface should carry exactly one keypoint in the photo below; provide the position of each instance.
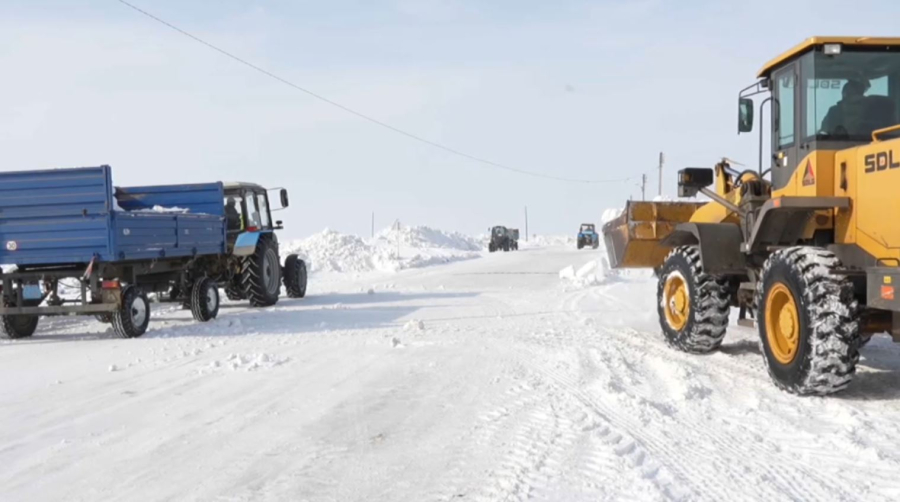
(489, 379)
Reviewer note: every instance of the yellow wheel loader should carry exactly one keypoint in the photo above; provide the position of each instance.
(807, 246)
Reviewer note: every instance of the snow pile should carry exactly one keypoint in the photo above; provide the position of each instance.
(611, 214)
(332, 251)
(592, 273)
(422, 237)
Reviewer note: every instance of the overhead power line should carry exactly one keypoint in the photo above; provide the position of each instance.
(364, 116)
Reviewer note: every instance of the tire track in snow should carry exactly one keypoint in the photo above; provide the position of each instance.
(787, 473)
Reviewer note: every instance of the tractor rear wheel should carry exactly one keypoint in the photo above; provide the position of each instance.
(808, 321)
(261, 274)
(693, 306)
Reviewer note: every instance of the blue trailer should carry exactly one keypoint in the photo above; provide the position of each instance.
(118, 244)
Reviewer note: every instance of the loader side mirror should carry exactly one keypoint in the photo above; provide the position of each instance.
(284, 197)
(745, 115)
(692, 179)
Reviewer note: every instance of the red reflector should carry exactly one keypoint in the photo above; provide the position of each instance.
(110, 285)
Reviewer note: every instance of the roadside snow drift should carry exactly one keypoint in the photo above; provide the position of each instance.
(389, 251)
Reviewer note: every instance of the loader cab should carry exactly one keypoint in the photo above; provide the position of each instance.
(826, 94)
(247, 208)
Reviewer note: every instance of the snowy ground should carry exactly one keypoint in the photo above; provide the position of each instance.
(485, 379)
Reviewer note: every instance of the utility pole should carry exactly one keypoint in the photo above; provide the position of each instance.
(644, 186)
(661, 161)
(526, 223)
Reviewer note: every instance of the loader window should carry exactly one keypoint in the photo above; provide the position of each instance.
(784, 95)
(852, 94)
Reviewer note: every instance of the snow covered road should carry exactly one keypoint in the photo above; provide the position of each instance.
(486, 379)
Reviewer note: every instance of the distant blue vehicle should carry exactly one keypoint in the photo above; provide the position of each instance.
(119, 243)
(588, 236)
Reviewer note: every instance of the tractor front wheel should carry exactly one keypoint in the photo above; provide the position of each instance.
(808, 321)
(295, 276)
(693, 306)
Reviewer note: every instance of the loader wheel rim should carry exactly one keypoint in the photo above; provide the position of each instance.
(782, 323)
(677, 302)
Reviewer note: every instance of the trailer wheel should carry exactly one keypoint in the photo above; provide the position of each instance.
(133, 317)
(693, 306)
(295, 277)
(18, 326)
(261, 274)
(205, 300)
(808, 321)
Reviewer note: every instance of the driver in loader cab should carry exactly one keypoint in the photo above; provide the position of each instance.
(846, 116)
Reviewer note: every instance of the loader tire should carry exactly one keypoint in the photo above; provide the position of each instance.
(205, 300)
(133, 317)
(261, 274)
(295, 276)
(693, 306)
(808, 321)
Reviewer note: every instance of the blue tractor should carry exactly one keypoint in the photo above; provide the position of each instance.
(588, 236)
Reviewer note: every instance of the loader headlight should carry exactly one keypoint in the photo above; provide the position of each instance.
(831, 49)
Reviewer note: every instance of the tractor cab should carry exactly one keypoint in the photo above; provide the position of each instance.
(587, 228)
(824, 95)
(247, 208)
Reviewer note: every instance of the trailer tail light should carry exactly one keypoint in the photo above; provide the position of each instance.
(110, 285)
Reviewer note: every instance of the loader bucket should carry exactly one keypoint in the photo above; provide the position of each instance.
(633, 238)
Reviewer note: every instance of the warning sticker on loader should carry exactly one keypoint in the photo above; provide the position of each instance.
(809, 177)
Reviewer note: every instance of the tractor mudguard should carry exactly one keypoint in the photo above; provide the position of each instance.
(245, 244)
(719, 243)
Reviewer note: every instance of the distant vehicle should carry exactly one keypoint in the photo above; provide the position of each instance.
(587, 236)
(501, 239)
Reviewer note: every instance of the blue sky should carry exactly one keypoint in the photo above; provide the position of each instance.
(572, 88)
